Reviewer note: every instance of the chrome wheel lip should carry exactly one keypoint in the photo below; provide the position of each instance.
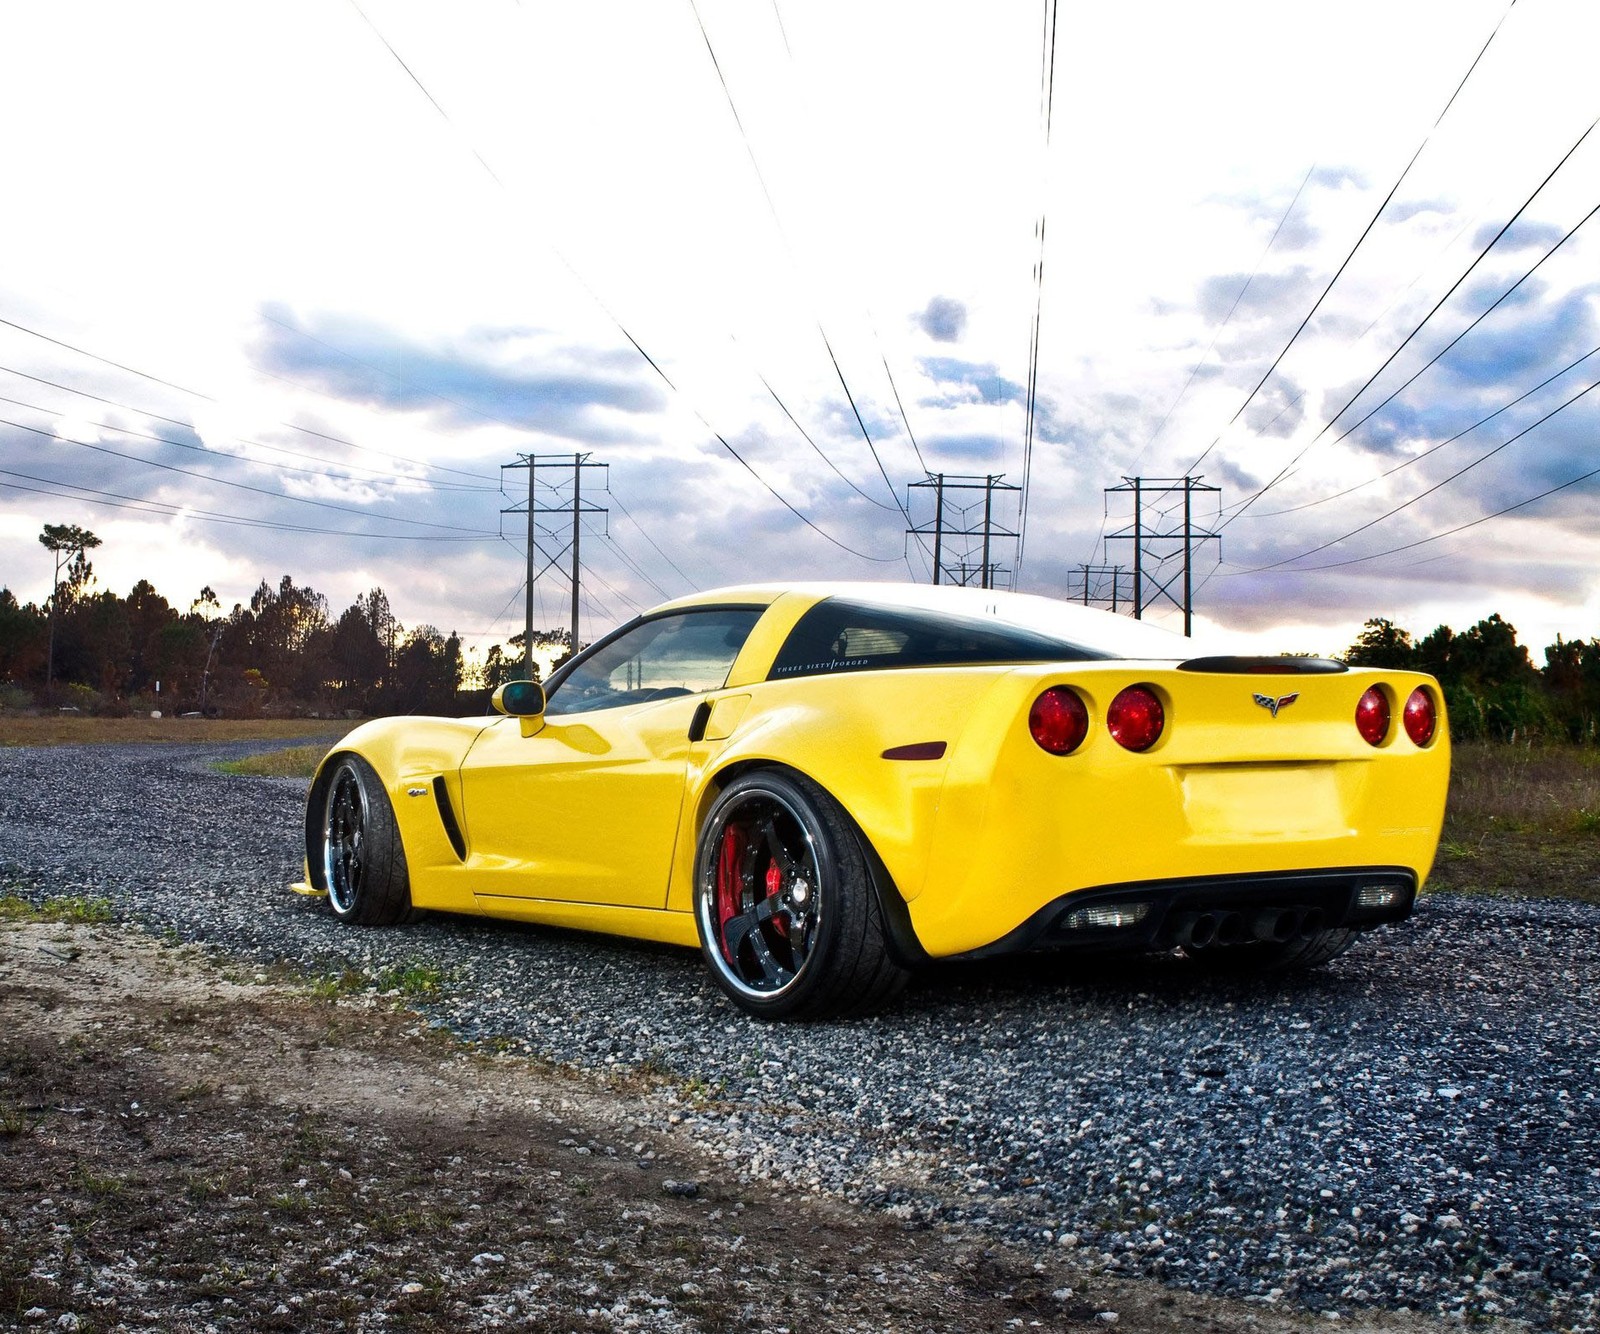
(810, 857)
(344, 822)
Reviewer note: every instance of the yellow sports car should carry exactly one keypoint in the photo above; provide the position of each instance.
(823, 786)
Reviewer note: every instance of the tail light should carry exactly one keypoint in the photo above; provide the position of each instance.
(1421, 716)
(1059, 721)
(1372, 716)
(1136, 718)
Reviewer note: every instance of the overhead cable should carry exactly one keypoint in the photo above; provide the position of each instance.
(1430, 490)
(1434, 360)
(1328, 425)
(51, 486)
(1365, 232)
(242, 486)
(621, 328)
(772, 207)
(208, 398)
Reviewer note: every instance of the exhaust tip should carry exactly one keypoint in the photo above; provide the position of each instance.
(1276, 926)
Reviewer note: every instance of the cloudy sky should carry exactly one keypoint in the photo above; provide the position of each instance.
(285, 285)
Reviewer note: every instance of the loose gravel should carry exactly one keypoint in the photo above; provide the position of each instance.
(1415, 1126)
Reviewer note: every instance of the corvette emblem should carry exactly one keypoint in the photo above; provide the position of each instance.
(1272, 705)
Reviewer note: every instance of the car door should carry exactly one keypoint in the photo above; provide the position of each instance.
(585, 809)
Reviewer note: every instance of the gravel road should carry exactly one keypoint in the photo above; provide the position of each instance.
(1415, 1126)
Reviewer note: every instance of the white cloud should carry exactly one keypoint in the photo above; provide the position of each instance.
(189, 167)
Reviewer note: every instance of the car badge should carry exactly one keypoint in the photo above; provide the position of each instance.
(1272, 705)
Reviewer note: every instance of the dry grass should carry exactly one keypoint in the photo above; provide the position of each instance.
(75, 729)
(1524, 819)
(290, 762)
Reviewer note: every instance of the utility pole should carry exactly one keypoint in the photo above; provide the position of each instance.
(955, 540)
(1158, 540)
(542, 491)
(1093, 580)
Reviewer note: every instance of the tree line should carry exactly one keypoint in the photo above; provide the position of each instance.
(283, 652)
(1492, 689)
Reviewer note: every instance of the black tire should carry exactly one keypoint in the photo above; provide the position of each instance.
(359, 852)
(1310, 951)
(785, 905)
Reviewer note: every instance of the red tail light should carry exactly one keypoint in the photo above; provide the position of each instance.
(1059, 721)
(1372, 716)
(1136, 718)
(1421, 716)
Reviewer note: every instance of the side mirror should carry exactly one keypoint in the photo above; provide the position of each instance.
(519, 699)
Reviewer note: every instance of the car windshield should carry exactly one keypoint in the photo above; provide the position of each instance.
(841, 635)
(682, 653)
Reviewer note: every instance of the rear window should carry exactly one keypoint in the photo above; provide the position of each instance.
(838, 635)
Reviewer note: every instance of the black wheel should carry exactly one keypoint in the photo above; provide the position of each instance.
(788, 916)
(1306, 951)
(362, 861)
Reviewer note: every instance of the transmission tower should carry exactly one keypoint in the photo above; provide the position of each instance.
(1159, 539)
(552, 478)
(1108, 586)
(963, 553)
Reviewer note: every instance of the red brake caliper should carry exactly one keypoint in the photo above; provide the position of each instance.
(774, 885)
(730, 853)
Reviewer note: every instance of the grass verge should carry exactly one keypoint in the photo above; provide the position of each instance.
(76, 730)
(78, 911)
(1522, 819)
(289, 762)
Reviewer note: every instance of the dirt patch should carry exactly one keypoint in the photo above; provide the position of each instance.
(184, 1149)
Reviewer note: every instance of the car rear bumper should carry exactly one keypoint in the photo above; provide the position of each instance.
(1207, 911)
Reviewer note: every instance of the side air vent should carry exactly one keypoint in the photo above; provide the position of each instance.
(1266, 666)
(447, 816)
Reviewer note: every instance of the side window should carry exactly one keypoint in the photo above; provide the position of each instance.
(837, 635)
(681, 653)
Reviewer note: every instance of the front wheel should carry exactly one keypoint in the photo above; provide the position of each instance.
(785, 906)
(362, 860)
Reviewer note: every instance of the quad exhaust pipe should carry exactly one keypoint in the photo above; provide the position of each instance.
(1274, 926)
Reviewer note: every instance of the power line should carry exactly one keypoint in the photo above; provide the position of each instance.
(805, 435)
(1434, 360)
(416, 483)
(1366, 231)
(209, 398)
(644, 534)
(1430, 490)
(1417, 458)
(784, 236)
(241, 486)
(1419, 327)
(1047, 93)
(50, 486)
(254, 444)
(1448, 532)
(637, 346)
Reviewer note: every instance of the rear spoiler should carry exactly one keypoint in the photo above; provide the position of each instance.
(1267, 666)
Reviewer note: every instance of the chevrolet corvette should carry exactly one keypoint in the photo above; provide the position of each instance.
(824, 786)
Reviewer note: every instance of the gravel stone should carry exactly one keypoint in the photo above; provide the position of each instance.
(1415, 1126)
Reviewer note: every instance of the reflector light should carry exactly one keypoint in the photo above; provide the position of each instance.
(1372, 716)
(1103, 915)
(1136, 718)
(1420, 716)
(1059, 721)
(1378, 896)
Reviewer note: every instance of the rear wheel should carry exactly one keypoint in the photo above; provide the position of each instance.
(362, 860)
(785, 905)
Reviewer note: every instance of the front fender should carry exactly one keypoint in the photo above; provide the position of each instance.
(407, 753)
